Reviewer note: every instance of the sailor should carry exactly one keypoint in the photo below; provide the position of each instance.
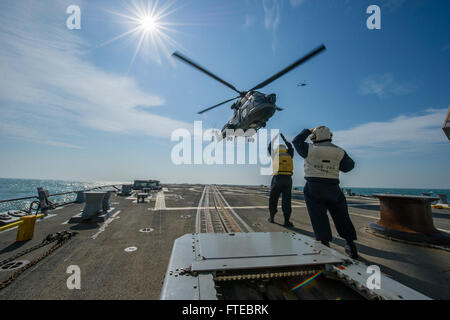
(281, 180)
(323, 161)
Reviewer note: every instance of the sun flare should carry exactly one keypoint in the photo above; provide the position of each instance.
(148, 24)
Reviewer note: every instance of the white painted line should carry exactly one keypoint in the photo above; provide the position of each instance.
(363, 215)
(165, 189)
(213, 208)
(249, 229)
(160, 203)
(197, 217)
(105, 224)
(75, 216)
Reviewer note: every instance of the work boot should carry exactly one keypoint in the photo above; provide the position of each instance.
(325, 243)
(350, 250)
(288, 224)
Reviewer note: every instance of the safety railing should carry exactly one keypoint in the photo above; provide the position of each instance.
(30, 206)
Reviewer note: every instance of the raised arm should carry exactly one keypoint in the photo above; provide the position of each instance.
(347, 164)
(290, 150)
(269, 148)
(299, 143)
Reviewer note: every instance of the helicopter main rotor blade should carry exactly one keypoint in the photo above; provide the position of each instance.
(193, 64)
(217, 105)
(289, 68)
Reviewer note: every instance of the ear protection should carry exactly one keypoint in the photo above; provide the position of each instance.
(313, 136)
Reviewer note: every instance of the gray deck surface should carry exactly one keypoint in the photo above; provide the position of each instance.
(108, 272)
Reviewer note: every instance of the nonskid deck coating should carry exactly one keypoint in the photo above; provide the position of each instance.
(109, 272)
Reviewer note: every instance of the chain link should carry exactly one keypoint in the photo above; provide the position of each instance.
(60, 237)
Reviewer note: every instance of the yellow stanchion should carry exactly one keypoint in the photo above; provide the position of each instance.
(26, 227)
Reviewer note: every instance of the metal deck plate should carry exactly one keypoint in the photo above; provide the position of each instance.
(258, 250)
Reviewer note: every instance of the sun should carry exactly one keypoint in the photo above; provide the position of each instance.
(149, 23)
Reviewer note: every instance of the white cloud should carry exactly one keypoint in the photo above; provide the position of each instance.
(27, 133)
(46, 73)
(272, 18)
(384, 85)
(296, 3)
(249, 21)
(405, 133)
(393, 4)
(271, 14)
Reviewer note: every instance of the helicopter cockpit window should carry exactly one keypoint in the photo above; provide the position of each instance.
(258, 97)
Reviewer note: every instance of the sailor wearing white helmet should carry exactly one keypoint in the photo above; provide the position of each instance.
(323, 161)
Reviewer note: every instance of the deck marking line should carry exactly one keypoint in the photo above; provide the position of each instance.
(199, 208)
(160, 202)
(249, 229)
(105, 224)
(211, 208)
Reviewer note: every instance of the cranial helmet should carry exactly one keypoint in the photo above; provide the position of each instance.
(282, 148)
(321, 133)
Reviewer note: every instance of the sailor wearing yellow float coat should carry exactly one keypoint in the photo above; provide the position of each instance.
(281, 180)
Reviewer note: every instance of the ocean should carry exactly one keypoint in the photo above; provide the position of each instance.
(404, 191)
(20, 188)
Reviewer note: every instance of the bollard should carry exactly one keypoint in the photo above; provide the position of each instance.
(105, 203)
(81, 198)
(126, 190)
(94, 204)
(408, 218)
(442, 198)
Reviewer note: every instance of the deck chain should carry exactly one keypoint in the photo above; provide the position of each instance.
(60, 237)
(266, 275)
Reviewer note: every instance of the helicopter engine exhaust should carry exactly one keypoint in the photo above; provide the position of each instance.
(271, 98)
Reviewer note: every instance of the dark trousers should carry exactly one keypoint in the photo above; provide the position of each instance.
(281, 184)
(321, 197)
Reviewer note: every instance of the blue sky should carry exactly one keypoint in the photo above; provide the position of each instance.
(76, 106)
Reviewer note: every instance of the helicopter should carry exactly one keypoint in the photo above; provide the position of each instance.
(302, 84)
(254, 108)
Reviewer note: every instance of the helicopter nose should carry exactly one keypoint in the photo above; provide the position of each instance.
(271, 98)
